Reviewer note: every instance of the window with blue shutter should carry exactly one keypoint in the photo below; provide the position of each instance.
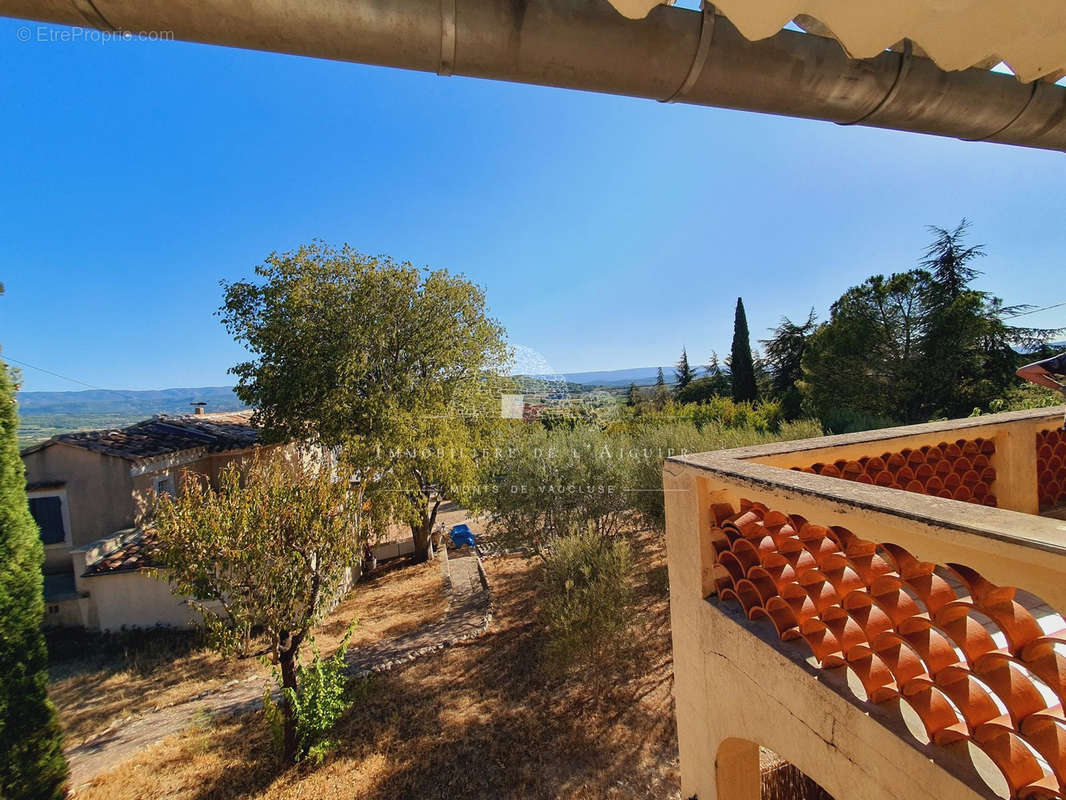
(48, 513)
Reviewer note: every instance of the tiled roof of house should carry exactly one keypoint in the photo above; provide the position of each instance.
(168, 434)
(38, 485)
(138, 552)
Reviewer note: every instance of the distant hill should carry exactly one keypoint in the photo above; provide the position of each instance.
(44, 414)
(117, 401)
(641, 376)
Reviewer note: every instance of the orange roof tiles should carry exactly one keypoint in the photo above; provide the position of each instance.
(964, 655)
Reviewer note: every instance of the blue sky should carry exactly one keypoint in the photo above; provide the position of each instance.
(607, 232)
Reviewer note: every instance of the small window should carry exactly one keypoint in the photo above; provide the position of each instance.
(164, 485)
(48, 514)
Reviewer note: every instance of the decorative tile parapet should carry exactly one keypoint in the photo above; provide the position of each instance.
(959, 470)
(1051, 467)
(885, 631)
(957, 652)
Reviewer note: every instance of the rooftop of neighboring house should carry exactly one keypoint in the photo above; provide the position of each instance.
(165, 434)
(138, 551)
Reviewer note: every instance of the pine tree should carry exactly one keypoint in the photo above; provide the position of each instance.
(713, 369)
(633, 395)
(784, 357)
(31, 756)
(740, 361)
(660, 379)
(949, 261)
(720, 380)
(683, 373)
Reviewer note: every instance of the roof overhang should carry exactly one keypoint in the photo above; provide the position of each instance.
(673, 54)
(1028, 35)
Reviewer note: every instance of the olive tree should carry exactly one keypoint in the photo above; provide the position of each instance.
(270, 549)
(546, 484)
(399, 368)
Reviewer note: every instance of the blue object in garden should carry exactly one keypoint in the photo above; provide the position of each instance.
(462, 535)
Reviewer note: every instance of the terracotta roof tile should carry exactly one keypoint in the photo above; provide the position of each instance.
(971, 660)
(169, 434)
(139, 552)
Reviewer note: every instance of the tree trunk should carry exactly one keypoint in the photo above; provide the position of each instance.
(287, 661)
(423, 545)
(422, 533)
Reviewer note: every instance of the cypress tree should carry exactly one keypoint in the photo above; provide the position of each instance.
(31, 755)
(684, 373)
(660, 379)
(740, 361)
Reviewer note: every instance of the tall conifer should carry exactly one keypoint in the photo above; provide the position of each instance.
(31, 755)
(741, 364)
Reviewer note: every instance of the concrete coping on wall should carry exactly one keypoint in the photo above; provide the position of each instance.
(741, 467)
(1053, 414)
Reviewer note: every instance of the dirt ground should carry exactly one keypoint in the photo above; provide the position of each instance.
(478, 720)
(96, 679)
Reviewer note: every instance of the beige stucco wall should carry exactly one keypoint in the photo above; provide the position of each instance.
(66, 613)
(98, 490)
(137, 600)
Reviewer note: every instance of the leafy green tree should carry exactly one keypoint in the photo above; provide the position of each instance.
(868, 356)
(741, 364)
(698, 391)
(784, 357)
(31, 755)
(551, 483)
(912, 346)
(633, 396)
(969, 356)
(660, 379)
(683, 374)
(399, 368)
(268, 550)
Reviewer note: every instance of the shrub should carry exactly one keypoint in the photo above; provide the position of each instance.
(547, 484)
(544, 484)
(319, 701)
(846, 420)
(652, 444)
(586, 597)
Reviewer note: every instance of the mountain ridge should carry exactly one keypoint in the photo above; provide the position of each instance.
(222, 398)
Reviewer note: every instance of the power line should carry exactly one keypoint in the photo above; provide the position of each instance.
(49, 372)
(1034, 311)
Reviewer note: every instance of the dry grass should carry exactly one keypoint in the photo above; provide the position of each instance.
(96, 679)
(783, 781)
(477, 721)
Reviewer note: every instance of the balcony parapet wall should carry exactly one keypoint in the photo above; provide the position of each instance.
(856, 575)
